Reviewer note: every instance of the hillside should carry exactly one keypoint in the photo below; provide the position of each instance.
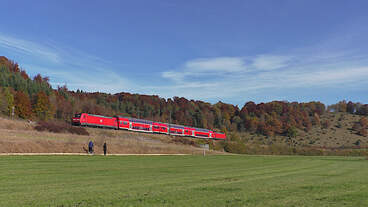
(18, 136)
(339, 134)
(273, 127)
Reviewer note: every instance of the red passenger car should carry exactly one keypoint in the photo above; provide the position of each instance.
(218, 135)
(188, 131)
(123, 122)
(140, 125)
(176, 129)
(158, 127)
(202, 133)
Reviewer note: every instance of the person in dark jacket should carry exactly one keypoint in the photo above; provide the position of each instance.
(105, 148)
(90, 147)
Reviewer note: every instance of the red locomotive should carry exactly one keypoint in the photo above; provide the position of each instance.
(141, 125)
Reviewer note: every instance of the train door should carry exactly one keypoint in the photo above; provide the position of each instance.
(85, 119)
(117, 121)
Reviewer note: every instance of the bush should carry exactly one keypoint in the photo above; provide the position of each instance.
(59, 127)
(51, 126)
(218, 145)
(235, 147)
(292, 132)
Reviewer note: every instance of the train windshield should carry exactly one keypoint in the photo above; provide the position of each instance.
(77, 115)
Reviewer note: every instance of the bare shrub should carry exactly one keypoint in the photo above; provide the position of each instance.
(59, 127)
(56, 127)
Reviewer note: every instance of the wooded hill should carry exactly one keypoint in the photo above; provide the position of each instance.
(36, 99)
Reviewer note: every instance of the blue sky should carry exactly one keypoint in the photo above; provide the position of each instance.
(230, 51)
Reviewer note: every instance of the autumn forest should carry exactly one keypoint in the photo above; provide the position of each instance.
(34, 99)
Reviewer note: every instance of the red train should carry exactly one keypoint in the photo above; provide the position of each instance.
(141, 125)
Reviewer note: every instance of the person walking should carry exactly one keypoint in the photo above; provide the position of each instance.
(105, 148)
(90, 147)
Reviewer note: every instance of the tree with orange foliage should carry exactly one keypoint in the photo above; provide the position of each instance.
(24, 75)
(42, 106)
(22, 105)
(276, 125)
(251, 124)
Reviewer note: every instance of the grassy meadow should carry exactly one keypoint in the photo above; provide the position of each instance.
(216, 180)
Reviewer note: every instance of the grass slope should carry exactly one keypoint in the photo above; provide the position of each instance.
(19, 136)
(183, 181)
(338, 134)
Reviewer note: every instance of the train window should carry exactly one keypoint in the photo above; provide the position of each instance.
(125, 123)
(202, 135)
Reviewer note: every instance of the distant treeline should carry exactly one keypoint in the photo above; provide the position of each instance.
(34, 98)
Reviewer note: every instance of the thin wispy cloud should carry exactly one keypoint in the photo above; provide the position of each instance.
(66, 65)
(226, 66)
(219, 64)
(270, 62)
(29, 48)
(266, 72)
(87, 79)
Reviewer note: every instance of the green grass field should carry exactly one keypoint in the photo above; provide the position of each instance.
(183, 181)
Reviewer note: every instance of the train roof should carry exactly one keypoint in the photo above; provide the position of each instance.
(202, 130)
(99, 116)
(143, 121)
(182, 127)
(151, 122)
(176, 126)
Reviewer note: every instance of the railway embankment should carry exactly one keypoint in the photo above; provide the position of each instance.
(19, 136)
